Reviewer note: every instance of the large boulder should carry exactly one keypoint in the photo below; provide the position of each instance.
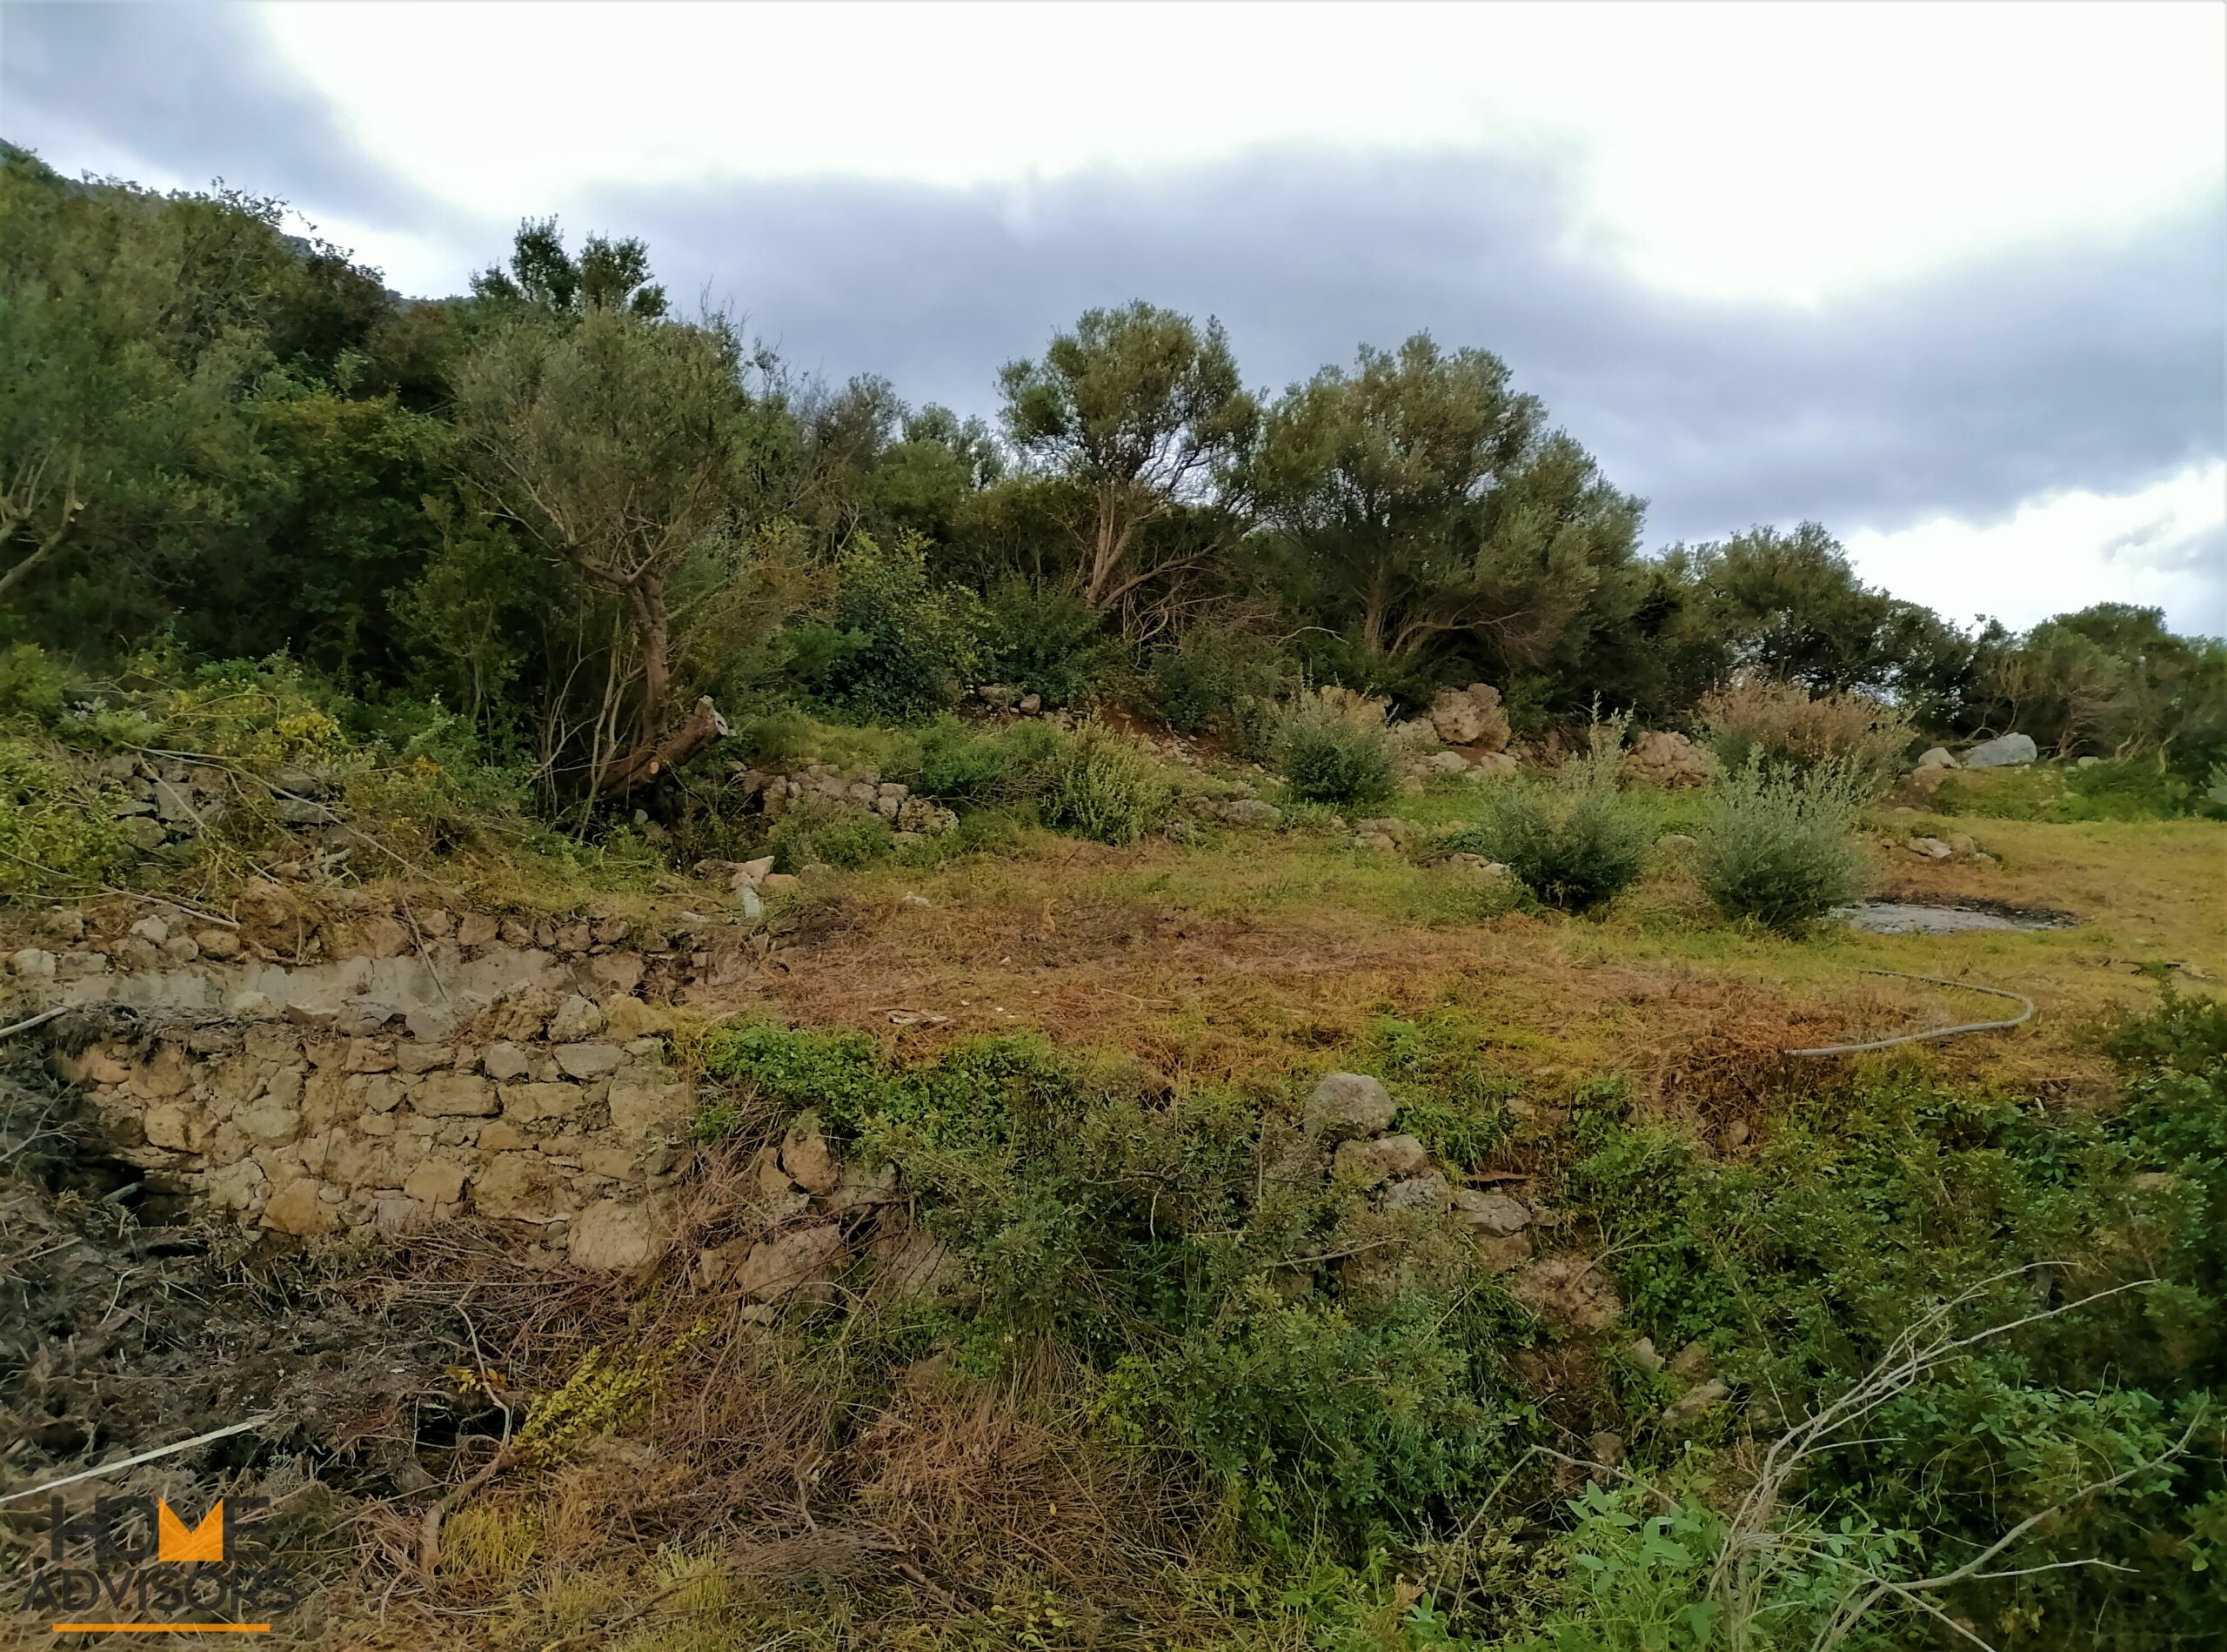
(1471, 717)
(2005, 752)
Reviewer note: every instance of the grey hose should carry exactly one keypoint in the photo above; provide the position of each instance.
(2025, 1014)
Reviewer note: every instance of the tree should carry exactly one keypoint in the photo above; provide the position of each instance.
(1140, 408)
(1417, 502)
(615, 445)
(608, 275)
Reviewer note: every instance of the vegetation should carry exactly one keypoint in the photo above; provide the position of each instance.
(515, 604)
(1781, 846)
(1327, 755)
(1576, 844)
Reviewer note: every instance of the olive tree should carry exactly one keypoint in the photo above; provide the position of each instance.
(615, 446)
(1418, 497)
(1139, 409)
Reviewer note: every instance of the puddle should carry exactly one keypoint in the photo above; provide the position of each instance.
(1908, 918)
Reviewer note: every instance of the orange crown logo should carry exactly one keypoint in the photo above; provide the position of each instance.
(174, 1542)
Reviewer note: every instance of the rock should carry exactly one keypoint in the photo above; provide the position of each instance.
(1445, 762)
(1937, 757)
(181, 949)
(1376, 842)
(435, 1183)
(589, 1061)
(475, 929)
(304, 812)
(639, 1111)
(527, 1103)
(520, 1186)
(153, 931)
(859, 1190)
(617, 1237)
(2087, 762)
(1490, 1212)
(911, 899)
(630, 1019)
(64, 923)
(1348, 1104)
(1643, 1354)
(1426, 1191)
(1606, 1449)
(2008, 751)
(33, 963)
(782, 883)
(1660, 758)
(506, 1061)
(1692, 1363)
(168, 1125)
(364, 1017)
(1695, 1401)
(1470, 716)
(753, 873)
(142, 835)
(920, 814)
(454, 1095)
(1930, 848)
(1380, 1160)
(296, 1208)
(1569, 1291)
(575, 1019)
(806, 1159)
(796, 1260)
(220, 944)
(1248, 812)
(1029, 705)
(1676, 840)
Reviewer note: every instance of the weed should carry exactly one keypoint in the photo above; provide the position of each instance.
(1786, 727)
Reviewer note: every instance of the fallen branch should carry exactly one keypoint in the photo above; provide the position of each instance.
(647, 761)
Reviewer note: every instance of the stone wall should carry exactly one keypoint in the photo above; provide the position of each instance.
(392, 1092)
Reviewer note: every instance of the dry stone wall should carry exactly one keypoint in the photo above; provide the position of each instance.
(527, 1085)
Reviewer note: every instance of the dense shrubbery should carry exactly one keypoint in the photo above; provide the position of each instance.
(1353, 1417)
(1327, 756)
(1780, 846)
(567, 514)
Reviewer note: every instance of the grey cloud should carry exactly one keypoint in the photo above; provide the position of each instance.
(198, 93)
(1962, 393)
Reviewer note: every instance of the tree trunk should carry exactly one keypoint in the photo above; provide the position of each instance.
(654, 752)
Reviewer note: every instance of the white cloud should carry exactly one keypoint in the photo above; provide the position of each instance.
(2164, 547)
(1733, 149)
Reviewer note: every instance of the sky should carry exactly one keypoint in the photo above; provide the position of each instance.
(1950, 279)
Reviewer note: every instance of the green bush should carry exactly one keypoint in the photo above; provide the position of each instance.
(959, 764)
(55, 837)
(32, 687)
(892, 648)
(1781, 845)
(1219, 682)
(1327, 758)
(1576, 844)
(1047, 641)
(813, 831)
(1100, 786)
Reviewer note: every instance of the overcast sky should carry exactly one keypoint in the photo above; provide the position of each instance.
(1951, 280)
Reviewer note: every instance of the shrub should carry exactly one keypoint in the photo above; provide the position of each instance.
(892, 648)
(961, 765)
(1098, 785)
(1047, 641)
(1326, 757)
(1574, 845)
(1219, 682)
(1790, 727)
(32, 687)
(55, 837)
(813, 832)
(1781, 848)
